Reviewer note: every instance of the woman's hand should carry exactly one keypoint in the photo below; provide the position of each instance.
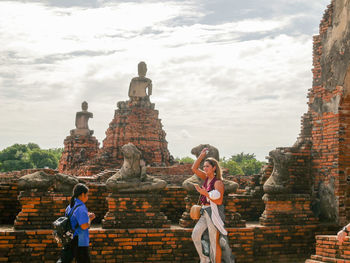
(202, 190)
(204, 152)
(341, 236)
(91, 216)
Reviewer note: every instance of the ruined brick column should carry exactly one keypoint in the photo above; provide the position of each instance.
(135, 121)
(80, 146)
(43, 198)
(40, 209)
(288, 189)
(134, 210)
(134, 201)
(78, 149)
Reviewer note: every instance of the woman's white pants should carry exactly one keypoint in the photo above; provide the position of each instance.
(203, 223)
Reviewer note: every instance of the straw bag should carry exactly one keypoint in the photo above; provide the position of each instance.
(195, 212)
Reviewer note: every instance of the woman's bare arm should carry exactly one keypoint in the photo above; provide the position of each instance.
(195, 167)
(219, 186)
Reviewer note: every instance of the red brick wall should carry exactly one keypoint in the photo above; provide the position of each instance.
(250, 244)
(330, 135)
(328, 249)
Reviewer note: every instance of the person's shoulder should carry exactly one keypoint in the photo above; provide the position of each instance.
(82, 207)
(219, 183)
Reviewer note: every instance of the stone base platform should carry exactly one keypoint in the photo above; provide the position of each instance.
(287, 209)
(254, 243)
(35, 206)
(134, 210)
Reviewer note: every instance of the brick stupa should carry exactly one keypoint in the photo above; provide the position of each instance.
(80, 146)
(135, 121)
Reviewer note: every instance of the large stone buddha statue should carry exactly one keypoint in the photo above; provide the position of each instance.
(140, 84)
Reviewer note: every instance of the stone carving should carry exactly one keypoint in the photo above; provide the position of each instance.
(278, 181)
(132, 176)
(81, 121)
(325, 205)
(140, 84)
(45, 182)
(188, 185)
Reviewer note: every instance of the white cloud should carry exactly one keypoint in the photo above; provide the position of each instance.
(212, 84)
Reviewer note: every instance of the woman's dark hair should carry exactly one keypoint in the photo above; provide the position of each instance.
(78, 190)
(213, 162)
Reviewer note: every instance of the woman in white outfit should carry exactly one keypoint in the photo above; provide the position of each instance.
(212, 214)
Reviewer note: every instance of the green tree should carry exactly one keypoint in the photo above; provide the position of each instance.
(43, 158)
(242, 163)
(184, 160)
(26, 156)
(232, 166)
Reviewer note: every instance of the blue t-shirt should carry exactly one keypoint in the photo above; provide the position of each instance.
(80, 216)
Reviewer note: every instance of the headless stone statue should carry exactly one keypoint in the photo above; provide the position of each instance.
(278, 182)
(81, 121)
(43, 182)
(188, 185)
(140, 84)
(132, 176)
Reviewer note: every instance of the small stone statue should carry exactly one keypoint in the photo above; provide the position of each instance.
(138, 85)
(81, 121)
(132, 176)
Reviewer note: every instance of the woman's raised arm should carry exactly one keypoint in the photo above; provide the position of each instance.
(195, 167)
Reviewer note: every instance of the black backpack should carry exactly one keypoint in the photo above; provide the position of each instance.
(62, 229)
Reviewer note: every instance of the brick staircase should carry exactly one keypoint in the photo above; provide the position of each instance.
(328, 249)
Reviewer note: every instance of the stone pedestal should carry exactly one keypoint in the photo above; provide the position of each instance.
(136, 122)
(186, 220)
(287, 209)
(134, 210)
(232, 218)
(78, 149)
(40, 209)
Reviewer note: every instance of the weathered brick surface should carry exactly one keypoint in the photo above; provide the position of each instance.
(330, 133)
(250, 244)
(249, 207)
(328, 249)
(292, 209)
(9, 205)
(39, 209)
(78, 149)
(138, 125)
(134, 210)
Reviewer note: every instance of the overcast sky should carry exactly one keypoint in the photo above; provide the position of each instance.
(230, 73)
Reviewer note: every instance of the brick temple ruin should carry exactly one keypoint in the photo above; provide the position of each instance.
(290, 212)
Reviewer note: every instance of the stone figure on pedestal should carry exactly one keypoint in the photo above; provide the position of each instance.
(132, 176)
(134, 201)
(140, 84)
(81, 121)
(46, 195)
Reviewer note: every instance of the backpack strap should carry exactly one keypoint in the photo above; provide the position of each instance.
(70, 215)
